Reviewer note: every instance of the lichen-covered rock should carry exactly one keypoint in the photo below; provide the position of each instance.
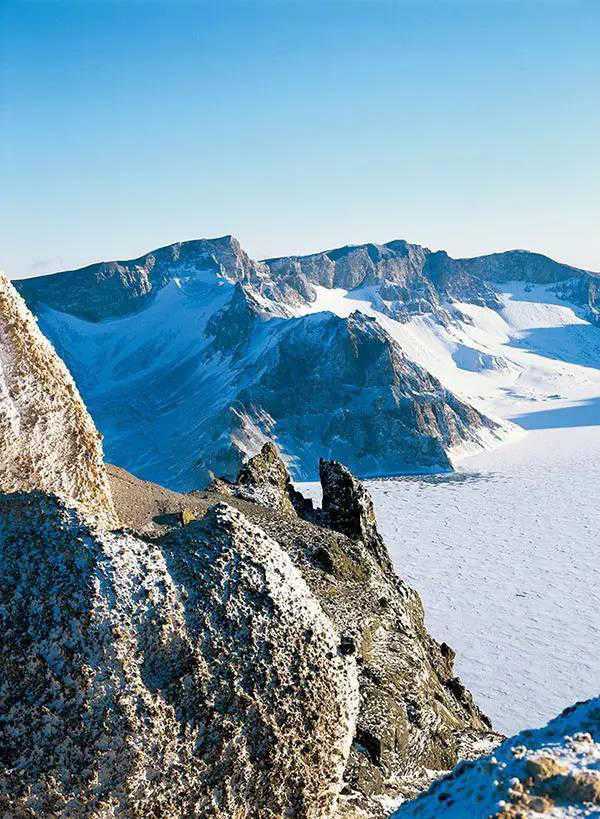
(195, 676)
(550, 771)
(415, 717)
(264, 479)
(48, 441)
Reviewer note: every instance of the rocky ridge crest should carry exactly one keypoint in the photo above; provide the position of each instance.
(48, 441)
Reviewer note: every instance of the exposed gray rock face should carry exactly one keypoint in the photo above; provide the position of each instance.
(225, 374)
(347, 507)
(194, 675)
(520, 265)
(585, 291)
(411, 279)
(111, 289)
(231, 328)
(342, 386)
(415, 717)
(48, 441)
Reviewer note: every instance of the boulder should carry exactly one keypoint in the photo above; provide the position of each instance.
(196, 675)
(550, 771)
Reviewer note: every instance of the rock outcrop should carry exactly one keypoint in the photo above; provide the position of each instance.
(195, 675)
(415, 717)
(48, 441)
(551, 771)
(347, 507)
(189, 675)
(265, 479)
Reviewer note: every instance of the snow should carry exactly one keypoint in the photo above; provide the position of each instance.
(503, 552)
(560, 761)
(149, 365)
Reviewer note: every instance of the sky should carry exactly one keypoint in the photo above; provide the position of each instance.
(467, 125)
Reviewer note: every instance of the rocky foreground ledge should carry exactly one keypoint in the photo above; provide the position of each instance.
(414, 716)
(256, 662)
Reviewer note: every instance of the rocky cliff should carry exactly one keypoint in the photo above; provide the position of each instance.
(414, 716)
(47, 438)
(111, 289)
(262, 660)
(342, 387)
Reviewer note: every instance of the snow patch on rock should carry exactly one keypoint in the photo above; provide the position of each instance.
(552, 771)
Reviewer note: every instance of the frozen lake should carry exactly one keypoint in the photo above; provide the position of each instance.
(506, 556)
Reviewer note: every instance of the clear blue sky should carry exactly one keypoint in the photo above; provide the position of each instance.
(470, 125)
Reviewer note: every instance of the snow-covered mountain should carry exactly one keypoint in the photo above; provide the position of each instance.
(383, 356)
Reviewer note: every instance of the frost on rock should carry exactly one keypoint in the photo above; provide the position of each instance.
(264, 479)
(552, 771)
(48, 440)
(415, 717)
(195, 675)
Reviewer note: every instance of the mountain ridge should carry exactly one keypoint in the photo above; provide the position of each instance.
(284, 278)
(246, 353)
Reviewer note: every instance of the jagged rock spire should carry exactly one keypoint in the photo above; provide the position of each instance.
(48, 441)
(348, 508)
